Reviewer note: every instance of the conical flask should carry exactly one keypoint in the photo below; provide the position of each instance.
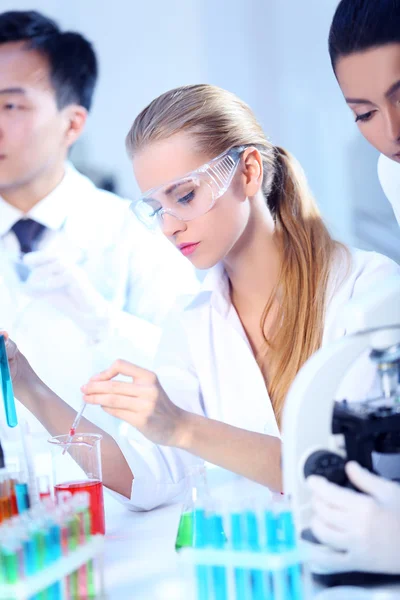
(193, 522)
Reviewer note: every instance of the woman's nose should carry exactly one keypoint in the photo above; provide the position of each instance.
(171, 225)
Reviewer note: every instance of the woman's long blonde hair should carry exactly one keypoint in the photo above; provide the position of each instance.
(218, 120)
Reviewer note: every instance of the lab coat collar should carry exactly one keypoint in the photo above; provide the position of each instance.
(51, 212)
(215, 290)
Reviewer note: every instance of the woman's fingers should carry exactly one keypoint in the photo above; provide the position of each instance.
(127, 403)
(145, 400)
(114, 387)
(123, 367)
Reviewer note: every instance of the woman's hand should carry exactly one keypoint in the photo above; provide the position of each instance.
(14, 356)
(140, 402)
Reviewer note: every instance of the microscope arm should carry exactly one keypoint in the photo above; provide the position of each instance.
(308, 411)
(307, 416)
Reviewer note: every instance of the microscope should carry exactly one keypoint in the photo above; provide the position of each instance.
(321, 432)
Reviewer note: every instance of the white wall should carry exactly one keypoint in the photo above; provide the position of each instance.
(272, 53)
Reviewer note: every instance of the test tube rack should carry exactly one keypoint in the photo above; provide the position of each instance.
(245, 555)
(48, 553)
(241, 569)
(57, 572)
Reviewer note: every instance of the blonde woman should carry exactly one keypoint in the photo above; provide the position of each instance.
(239, 206)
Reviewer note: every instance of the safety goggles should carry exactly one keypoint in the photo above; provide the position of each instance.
(190, 196)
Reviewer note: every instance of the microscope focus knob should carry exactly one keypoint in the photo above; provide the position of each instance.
(328, 465)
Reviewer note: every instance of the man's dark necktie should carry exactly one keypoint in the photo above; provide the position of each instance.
(28, 232)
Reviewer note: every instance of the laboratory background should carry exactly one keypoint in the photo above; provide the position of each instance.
(274, 55)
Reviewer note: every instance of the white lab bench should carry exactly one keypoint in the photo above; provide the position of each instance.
(141, 562)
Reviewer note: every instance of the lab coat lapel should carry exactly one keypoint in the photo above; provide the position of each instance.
(232, 385)
(242, 385)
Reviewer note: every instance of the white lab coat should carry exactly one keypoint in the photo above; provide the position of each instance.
(139, 273)
(389, 177)
(206, 366)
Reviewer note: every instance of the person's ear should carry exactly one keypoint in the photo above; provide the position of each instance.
(252, 168)
(75, 118)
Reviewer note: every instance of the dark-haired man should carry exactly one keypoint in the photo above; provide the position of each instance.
(82, 280)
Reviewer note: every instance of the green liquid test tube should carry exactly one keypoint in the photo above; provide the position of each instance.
(10, 559)
(74, 525)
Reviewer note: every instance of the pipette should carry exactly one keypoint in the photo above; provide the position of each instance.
(74, 426)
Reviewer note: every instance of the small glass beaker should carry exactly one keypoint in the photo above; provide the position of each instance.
(77, 468)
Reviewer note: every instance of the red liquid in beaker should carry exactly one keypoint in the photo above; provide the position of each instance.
(95, 491)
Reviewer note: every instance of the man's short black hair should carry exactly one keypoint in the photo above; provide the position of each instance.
(72, 60)
(359, 25)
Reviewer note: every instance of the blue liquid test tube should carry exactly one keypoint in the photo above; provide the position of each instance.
(22, 496)
(281, 590)
(289, 539)
(29, 556)
(218, 573)
(200, 541)
(257, 576)
(242, 580)
(53, 553)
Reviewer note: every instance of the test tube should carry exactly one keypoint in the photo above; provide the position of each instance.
(81, 503)
(28, 542)
(53, 549)
(33, 524)
(28, 477)
(22, 495)
(73, 543)
(200, 541)
(219, 574)
(13, 497)
(257, 577)
(6, 386)
(279, 582)
(289, 539)
(28, 562)
(11, 552)
(62, 516)
(5, 496)
(43, 487)
(241, 576)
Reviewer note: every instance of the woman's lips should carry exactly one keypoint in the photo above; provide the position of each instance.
(188, 248)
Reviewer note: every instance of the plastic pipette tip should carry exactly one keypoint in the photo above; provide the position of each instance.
(74, 427)
(70, 437)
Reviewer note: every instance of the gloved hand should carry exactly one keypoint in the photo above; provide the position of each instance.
(71, 292)
(362, 529)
